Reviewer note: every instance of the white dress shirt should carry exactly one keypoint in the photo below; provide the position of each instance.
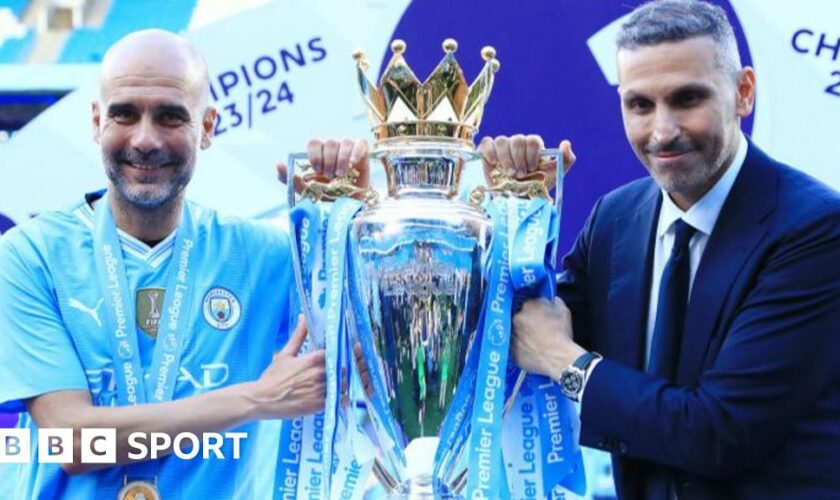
(702, 216)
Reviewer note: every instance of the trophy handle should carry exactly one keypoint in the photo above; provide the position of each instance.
(318, 188)
(533, 185)
(291, 164)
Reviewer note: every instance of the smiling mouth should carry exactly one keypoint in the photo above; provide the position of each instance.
(670, 155)
(146, 168)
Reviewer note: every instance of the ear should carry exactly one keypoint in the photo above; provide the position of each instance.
(95, 119)
(745, 87)
(208, 127)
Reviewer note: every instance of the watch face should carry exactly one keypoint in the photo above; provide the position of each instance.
(571, 382)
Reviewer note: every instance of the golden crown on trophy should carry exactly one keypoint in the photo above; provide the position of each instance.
(443, 107)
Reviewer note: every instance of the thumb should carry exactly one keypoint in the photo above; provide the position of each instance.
(295, 342)
(489, 159)
(282, 172)
(283, 176)
(569, 157)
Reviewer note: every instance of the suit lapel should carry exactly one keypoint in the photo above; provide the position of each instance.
(630, 279)
(737, 231)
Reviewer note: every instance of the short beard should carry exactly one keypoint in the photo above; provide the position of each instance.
(680, 179)
(152, 197)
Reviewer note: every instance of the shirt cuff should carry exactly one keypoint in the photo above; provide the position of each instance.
(586, 375)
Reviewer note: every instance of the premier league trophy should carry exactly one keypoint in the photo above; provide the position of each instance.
(417, 291)
(420, 256)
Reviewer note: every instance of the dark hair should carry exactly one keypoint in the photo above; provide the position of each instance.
(662, 21)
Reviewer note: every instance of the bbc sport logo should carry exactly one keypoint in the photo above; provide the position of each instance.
(99, 445)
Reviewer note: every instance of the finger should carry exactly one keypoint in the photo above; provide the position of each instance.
(489, 159)
(316, 358)
(359, 355)
(342, 164)
(359, 161)
(559, 304)
(283, 176)
(344, 383)
(298, 180)
(331, 147)
(502, 145)
(295, 342)
(517, 154)
(315, 151)
(531, 305)
(282, 172)
(487, 148)
(533, 145)
(569, 157)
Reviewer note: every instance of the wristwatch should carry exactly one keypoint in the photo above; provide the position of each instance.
(573, 378)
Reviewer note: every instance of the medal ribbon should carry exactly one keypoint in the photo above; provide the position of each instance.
(121, 321)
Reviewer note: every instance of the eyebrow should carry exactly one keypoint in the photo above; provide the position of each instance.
(173, 108)
(691, 87)
(177, 109)
(118, 107)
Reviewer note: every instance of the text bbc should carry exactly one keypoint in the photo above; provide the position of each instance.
(99, 445)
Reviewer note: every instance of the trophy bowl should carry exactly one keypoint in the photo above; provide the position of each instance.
(418, 259)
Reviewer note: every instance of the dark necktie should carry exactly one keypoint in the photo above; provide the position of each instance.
(667, 336)
(673, 302)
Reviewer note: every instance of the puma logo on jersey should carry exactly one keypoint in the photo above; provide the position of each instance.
(93, 312)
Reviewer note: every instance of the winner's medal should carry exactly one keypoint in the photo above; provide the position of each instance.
(139, 490)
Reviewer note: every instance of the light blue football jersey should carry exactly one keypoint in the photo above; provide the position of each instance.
(53, 336)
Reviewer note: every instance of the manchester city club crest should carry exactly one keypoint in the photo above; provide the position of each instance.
(221, 308)
(149, 302)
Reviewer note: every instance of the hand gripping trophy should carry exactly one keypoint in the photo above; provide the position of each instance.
(415, 290)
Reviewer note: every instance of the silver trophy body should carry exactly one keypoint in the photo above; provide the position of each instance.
(420, 256)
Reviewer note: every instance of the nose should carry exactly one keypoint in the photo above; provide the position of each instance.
(146, 137)
(665, 126)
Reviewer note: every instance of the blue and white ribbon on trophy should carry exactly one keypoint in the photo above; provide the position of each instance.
(485, 444)
(540, 437)
(539, 431)
(324, 455)
(300, 461)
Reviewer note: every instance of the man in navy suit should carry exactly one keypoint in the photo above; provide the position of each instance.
(710, 290)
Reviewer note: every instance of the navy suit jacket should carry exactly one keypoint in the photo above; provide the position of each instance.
(755, 408)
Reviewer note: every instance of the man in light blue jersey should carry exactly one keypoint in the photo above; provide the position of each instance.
(138, 311)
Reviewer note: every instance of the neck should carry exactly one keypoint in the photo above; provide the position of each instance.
(146, 225)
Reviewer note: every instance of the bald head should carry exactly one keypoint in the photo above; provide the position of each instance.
(152, 117)
(157, 55)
